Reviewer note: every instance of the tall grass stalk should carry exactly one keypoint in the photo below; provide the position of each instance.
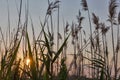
(118, 43)
(9, 22)
(112, 14)
(58, 35)
(86, 8)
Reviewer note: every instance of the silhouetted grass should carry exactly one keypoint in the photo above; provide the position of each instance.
(90, 53)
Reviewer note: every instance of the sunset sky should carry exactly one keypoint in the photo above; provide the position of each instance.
(37, 8)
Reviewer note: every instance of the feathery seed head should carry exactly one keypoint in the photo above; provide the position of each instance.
(84, 4)
(80, 18)
(96, 20)
(52, 6)
(104, 29)
(112, 9)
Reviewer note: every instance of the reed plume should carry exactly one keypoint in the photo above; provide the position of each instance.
(96, 21)
(84, 4)
(112, 9)
(52, 6)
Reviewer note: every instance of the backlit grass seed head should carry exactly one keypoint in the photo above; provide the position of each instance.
(84, 4)
(80, 19)
(95, 20)
(66, 27)
(104, 29)
(52, 6)
(76, 30)
(73, 31)
(112, 9)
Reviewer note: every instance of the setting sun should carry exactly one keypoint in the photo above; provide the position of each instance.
(27, 61)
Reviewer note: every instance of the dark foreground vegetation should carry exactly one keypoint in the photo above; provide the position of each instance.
(92, 58)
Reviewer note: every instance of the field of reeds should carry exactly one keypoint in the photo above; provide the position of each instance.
(25, 56)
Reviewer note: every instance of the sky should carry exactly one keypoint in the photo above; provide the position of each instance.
(37, 9)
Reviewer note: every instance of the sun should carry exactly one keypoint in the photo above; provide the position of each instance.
(27, 61)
